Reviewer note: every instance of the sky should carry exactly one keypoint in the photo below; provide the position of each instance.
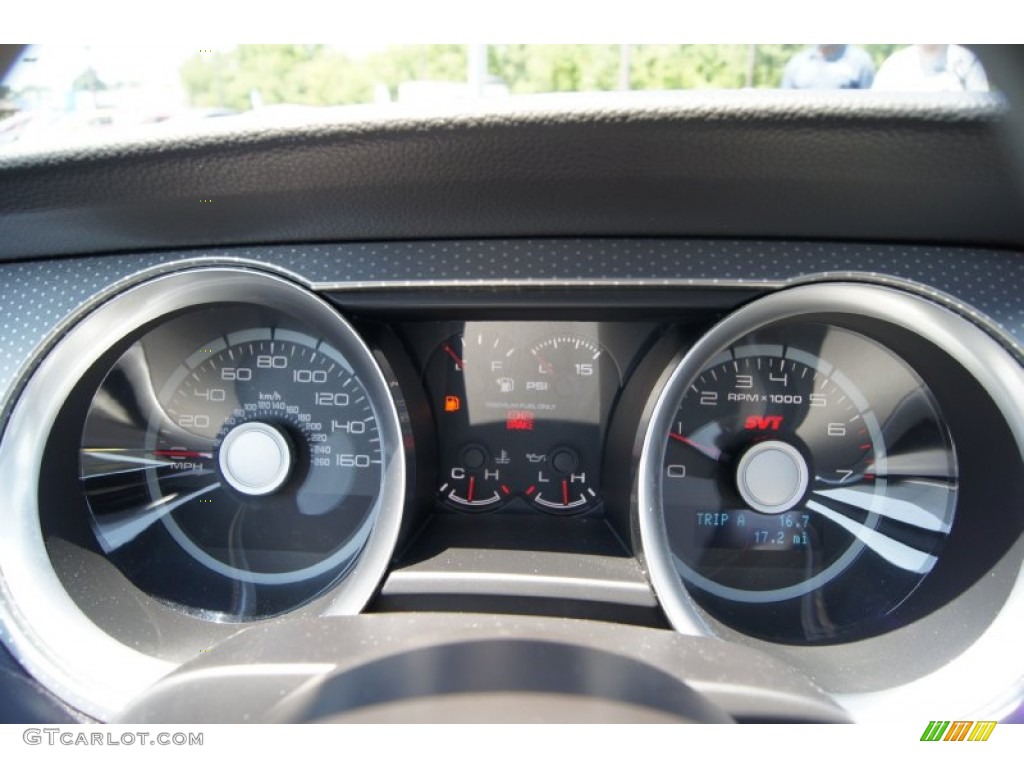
(60, 64)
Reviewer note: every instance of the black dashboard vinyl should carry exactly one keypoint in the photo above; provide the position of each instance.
(859, 166)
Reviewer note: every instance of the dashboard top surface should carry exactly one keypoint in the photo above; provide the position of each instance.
(856, 166)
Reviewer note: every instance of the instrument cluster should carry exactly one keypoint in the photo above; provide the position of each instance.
(803, 472)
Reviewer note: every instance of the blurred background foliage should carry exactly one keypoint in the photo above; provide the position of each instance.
(255, 75)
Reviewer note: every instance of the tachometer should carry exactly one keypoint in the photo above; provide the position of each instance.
(807, 480)
(777, 472)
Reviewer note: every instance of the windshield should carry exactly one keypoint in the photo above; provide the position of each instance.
(54, 91)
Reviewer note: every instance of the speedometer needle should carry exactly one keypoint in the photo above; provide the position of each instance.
(184, 454)
(708, 450)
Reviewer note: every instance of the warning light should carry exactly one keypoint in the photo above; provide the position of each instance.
(452, 403)
(519, 420)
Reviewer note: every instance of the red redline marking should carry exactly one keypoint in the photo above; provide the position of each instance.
(869, 477)
(505, 489)
(865, 446)
(451, 353)
(531, 489)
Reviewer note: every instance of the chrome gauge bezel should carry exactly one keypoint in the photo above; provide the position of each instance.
(986, 676)
(47, 632)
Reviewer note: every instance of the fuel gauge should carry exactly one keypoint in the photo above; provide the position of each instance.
(473, 369)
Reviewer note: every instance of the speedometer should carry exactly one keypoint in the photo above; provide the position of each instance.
(235, 457)
(264, 451)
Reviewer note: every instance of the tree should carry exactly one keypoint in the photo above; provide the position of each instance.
(321, 75)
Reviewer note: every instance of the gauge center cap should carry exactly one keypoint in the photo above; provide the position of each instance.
(772, 476)
(255, 458)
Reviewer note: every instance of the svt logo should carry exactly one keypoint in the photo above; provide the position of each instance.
(763, 422)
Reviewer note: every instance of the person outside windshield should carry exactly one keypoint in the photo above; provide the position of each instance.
(829, 67)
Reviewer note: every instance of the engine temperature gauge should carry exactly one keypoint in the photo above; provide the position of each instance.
(475, 484)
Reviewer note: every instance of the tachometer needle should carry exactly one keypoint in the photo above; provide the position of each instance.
(472, 485)
(708, 450)
(565, 492)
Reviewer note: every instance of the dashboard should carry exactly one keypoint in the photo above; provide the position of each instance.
(317, 474)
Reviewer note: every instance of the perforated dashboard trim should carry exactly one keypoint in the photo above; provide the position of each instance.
(39, 299)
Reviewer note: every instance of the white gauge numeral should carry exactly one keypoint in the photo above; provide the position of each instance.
(836, 429)
(339, 399)
(818, 401)
(744, 381)
(212, 395)
(709, 398)
(351, 427)
(675, 470)
(782, 378)
(358, 460)
(235, 374)
(271, 361)
(306, 376)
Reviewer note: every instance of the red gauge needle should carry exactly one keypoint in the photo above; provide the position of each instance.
(184, 454)
(472, 485)
(565, 492)
(708, 450)
(451, 353)
(545, 366)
